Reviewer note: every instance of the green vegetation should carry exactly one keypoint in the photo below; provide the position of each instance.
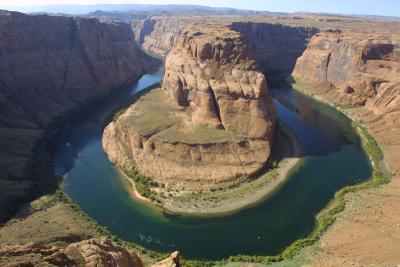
(118, 114)
(123, 110)
(198, 135)
(60, 197)
(305, 88)
(324, 219)
(144, 185)
(327, 216)
(156, 114)
(151, 113)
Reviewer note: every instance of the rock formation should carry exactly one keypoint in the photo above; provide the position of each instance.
(50, 66)
(158, 35)
(95, 252)
(354, 68)
(218, 120)
(171, 261)
(276, 47)
(102, 253)
(92, 252)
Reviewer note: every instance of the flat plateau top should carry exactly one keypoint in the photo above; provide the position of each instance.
(155, 115)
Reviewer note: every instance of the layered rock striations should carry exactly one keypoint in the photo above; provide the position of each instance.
(276, 47)
(354, 68)
(158, 35)
(218, 117)
(50, 66)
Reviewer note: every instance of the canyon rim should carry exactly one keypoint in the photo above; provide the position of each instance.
(207, 133)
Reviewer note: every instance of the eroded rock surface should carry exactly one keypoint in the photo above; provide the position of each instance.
(50, 66)
(92, 252)
(158, 35)
(102, 253)
(276, 47)
(361, 68)
(354, 68)
(220, 116)
(171, 261)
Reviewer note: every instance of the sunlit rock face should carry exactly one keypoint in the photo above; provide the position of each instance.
(354, 68)
(223, 114)
(213, 74)
(91, 252)
(276, 47)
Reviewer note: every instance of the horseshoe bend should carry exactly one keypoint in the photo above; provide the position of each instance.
(211, 121)
(236, 137)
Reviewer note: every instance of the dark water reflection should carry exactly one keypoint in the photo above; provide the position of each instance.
(332, 158)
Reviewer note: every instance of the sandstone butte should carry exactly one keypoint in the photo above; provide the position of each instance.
(214, 119)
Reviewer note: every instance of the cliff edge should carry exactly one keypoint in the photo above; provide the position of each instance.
(212, 121)
(49, 67)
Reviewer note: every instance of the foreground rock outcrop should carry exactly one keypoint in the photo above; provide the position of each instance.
(354, 68)
(215, 117)
(102, 253)
(92, 252)
(172, 261)
(50, 66)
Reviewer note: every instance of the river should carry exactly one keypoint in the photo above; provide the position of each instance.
(332, 158)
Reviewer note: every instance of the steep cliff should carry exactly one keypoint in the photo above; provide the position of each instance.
(361, 68)
(354, 68)
(214, 118)
(276, 47)
(50, 66)
(158, 35)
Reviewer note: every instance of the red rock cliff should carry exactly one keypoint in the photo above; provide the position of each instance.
(48, 67)
(354, 68)
(218, 120)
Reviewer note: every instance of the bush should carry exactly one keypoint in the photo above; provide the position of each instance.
(144, 184)
(118, 114)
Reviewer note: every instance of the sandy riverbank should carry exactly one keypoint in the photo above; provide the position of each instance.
(232, 197)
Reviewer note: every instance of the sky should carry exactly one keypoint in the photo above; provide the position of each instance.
(373, 7)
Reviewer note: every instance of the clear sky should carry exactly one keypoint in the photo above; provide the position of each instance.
(375, 7)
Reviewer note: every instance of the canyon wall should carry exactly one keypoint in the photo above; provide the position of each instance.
(157, 35)
(354, 68)
(224, 115)
(276, 47)
(50, 66)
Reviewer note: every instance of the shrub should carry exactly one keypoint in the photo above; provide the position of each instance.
(118, 114)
